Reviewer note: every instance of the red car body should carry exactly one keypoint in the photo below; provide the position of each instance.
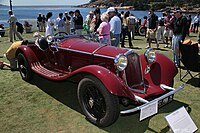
(75, 58)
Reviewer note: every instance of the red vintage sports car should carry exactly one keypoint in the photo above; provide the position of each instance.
(107, 76)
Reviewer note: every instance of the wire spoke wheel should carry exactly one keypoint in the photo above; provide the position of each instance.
(97, 103)
(24, 68)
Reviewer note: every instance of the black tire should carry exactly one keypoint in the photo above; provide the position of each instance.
(141, 31)
(61, 33)
(172, 83)
(24, 68)
(99, 106)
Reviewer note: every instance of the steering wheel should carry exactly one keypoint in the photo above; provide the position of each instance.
(61, 34)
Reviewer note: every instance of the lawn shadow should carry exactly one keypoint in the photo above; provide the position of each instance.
(136, 47)
(131, 123)
(194, 82)
(160, 49)
(137, 39)
(63, 91)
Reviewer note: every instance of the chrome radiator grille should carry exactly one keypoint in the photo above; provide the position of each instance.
(133, 71)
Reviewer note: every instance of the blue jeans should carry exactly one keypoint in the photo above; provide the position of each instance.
(117, 40)
(175, 47)
(105, 41)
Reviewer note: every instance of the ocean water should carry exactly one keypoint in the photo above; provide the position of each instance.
(30, 13)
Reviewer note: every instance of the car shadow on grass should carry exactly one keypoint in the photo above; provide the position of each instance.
(65, 92)
(131, 123)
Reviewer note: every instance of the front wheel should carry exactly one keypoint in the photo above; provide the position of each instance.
(99, 106)
(24, 67)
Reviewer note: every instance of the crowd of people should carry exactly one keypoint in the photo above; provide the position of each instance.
(112, 26)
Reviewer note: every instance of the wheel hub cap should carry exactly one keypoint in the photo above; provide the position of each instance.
(91, 102)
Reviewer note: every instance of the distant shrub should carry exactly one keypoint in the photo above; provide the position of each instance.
(159, 5)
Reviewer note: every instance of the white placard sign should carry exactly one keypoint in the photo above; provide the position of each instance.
(149, 110)
(181, 122)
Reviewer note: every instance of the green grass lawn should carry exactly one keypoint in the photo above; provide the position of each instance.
(46, 106)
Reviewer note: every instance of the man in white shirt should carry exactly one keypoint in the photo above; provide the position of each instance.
(115, 26)
(60, 23)
(12, 24)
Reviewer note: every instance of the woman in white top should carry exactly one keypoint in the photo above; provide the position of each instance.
(50, 24)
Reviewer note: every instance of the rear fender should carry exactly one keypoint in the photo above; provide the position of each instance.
(28, 53)
(162, 71)
(113, 83)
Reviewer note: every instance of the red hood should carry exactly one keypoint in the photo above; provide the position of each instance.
(91, 47)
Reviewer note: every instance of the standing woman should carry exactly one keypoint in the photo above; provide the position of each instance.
(126, 30)
(50, 24)
(104, 30)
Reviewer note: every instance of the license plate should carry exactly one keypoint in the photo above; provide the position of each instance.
(165, 101)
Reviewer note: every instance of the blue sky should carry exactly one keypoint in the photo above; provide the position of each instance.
(44, 2)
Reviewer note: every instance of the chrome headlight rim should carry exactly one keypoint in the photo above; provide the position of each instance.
(49, 38)
(150, 55)
(121, 62)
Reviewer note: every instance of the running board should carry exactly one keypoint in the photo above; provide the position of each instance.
(50, 74)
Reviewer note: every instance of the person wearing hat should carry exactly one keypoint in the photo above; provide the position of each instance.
(67, 22)
(78, 22)
(12, 24)
(88, 19)
(115, 26)
(180, 31)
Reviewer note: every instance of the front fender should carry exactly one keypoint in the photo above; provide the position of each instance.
(28, 53)
(112, 82)
(162, 71)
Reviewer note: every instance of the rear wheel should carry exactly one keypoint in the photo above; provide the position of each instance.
(141, 31)
(24, 67)
(99, 106)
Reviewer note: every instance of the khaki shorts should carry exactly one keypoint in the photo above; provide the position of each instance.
(168, 33)
(151, 34)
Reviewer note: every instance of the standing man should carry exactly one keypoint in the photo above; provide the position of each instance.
(196, 23)
(115, 26)
(152, 27)
(72, 27)
(39, 22)
(132, 20)
(78, 21)
(161, 28)
(179, 30)
(12, 23)
(60, 23)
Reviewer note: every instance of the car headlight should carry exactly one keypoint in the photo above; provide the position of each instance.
(150, 55)
(121, 62)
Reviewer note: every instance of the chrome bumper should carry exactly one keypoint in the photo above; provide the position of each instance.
(157, 99)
